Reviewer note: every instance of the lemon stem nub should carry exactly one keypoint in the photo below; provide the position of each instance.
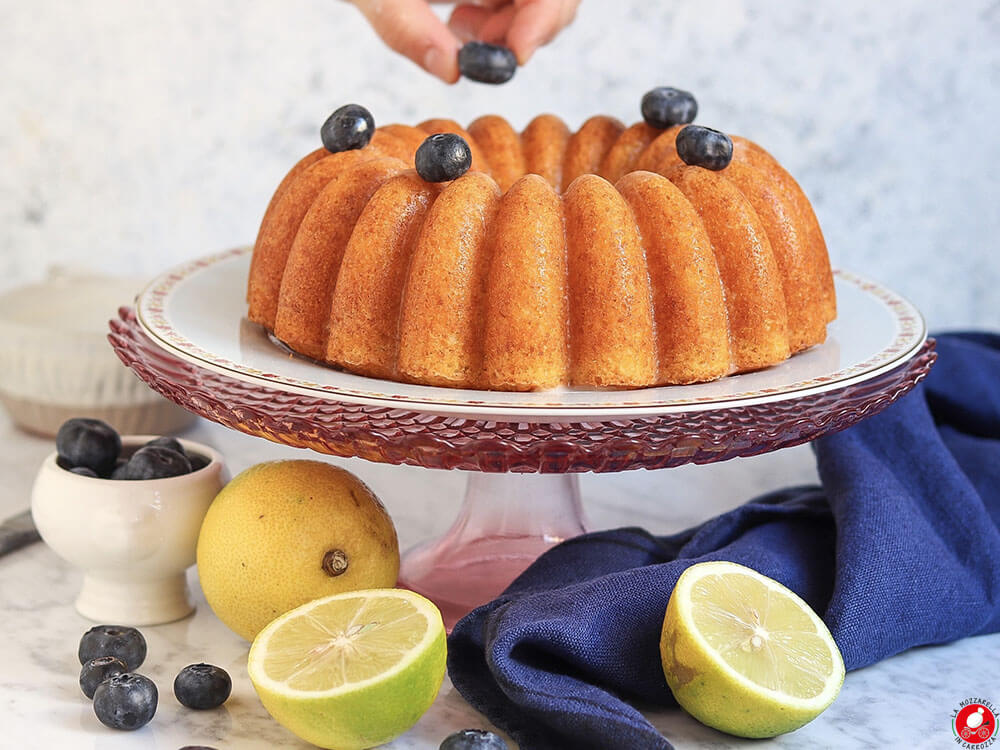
(335, 562)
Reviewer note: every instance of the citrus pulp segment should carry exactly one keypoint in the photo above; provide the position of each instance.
(352, 670)
(744, 654)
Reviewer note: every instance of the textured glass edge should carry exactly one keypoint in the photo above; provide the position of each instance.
(398, 436)
(151, 313)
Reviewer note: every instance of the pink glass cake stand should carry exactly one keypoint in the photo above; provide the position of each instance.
(187, 338)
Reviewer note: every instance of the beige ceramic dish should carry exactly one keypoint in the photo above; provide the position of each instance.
(56, 362)
(133, 540)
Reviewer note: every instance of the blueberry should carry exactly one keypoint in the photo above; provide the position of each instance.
(664, 107)
(704, 147)
(88, 442)
(349, 127)
(198, 461)
(486, 63)
(167, 442)
(119, 472)
(443, 157)
(202, 686)
(154, 462)
(96, 671)
(83, 471)
(126, 701)
(473, 739)
(113, 640)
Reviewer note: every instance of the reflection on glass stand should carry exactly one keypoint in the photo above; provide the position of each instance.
(506, 521)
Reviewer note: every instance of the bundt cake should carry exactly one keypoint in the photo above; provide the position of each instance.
(594, 259)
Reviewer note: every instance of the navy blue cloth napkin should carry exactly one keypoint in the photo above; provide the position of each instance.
(900, 547)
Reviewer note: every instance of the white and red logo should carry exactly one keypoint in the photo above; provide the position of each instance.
(975, 723)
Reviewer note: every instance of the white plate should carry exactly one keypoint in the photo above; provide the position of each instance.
(198, 312)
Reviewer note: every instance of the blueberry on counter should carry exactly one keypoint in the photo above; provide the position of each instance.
(486, 63)
(96, 671)
(349, 127)
(122, 642)
(473, 739)
(167, 442)
(202, 686)
(443, 157)
(126, 701)
(155, 462)
(704, 147)
(664, 107)
(88, 442)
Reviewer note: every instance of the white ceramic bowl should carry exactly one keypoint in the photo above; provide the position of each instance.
(57, 363)
(134, 540)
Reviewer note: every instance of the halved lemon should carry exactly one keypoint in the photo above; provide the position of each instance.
(745, 655)
(351, 671)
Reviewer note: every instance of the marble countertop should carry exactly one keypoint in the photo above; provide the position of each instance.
(905, 701)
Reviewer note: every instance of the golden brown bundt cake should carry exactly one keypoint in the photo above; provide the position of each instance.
(596, 259)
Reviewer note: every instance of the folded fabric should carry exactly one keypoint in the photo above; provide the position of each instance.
(899, 548)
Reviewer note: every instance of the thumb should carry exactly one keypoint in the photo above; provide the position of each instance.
(411, 29)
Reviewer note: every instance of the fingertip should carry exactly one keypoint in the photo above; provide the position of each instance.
(442, 63)
(523, 44)
(523, 51)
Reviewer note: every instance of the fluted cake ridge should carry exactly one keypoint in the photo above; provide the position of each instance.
(594, 258)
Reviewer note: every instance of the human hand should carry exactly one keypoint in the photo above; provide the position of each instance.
(411, 28)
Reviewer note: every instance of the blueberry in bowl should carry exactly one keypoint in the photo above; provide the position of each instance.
(88, 443)
(155, 462)
(133, 536)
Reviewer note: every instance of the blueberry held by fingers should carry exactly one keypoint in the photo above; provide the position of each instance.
(665, 106)
(698, 146)
(96, 671)
(443, 157)
(202, 686)
(126, 701)
(486, 63)
(349, 127)
(473, 739)
(154, 462)
(88, 442)
(123, 642)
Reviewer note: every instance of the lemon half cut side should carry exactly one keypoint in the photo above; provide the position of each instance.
(744, 654)
(352, 670)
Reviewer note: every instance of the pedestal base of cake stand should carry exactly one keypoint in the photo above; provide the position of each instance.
(505, 523)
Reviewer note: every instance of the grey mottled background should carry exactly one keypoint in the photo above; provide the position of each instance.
(134, 135)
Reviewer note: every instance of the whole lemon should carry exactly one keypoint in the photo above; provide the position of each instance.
(283, 533)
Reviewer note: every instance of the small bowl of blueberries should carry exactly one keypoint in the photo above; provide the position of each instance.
(126, 510)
